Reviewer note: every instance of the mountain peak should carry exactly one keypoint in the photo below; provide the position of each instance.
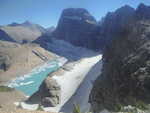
(141, 5)
(27, 23)
(142, 12)
(125, 8)
(77, 14)
(14, 24)
(75, 10)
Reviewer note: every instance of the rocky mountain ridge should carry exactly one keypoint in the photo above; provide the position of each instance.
(21, 33)
(125, 75)
(78, 27)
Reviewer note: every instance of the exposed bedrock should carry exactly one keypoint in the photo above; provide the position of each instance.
(48, 94)
(77, 26)
(125, 78)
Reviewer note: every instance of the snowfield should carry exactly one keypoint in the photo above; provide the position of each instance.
(75, 86)
(77, 81)
(71, 81)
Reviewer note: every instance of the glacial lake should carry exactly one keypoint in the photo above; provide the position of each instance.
(29, 83)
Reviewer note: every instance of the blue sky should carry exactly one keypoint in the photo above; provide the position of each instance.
(47, 12)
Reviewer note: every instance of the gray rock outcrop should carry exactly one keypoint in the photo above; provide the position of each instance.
(4, 62)
(125, 76)
(77, 26)
(48, 94)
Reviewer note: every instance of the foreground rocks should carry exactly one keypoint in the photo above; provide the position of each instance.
(125, 78)
(48, 94)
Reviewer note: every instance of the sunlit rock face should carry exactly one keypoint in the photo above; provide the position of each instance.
(77, 26)
(126, 68)
(21, 33)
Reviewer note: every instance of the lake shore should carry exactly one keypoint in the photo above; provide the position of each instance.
(69, 80)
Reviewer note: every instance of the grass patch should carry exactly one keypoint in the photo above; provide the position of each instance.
(141, 105)
(5, 89)
(118, 107)
(77, 109)
(40, 108)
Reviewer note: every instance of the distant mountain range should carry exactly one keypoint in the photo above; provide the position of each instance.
(78, 27)
(22, 33)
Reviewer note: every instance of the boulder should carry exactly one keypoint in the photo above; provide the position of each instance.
(50, 102)
(48, 94)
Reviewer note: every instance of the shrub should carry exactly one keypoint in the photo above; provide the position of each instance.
(40, 108)
(141, 105)
(76, 109)
(5, 89)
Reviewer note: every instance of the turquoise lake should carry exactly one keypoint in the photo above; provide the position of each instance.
(30, 82)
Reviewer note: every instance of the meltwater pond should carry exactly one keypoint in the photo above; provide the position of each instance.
(30, 82)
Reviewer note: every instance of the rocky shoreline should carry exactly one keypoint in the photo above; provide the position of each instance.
(61, 85)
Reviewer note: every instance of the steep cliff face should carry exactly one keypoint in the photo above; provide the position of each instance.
(112, 24)
(126, 68)
(77, 26)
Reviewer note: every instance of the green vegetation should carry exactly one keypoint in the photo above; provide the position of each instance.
(118, 107)
(141, 105)
(5, 89)
(77, 109)
(40, 108)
